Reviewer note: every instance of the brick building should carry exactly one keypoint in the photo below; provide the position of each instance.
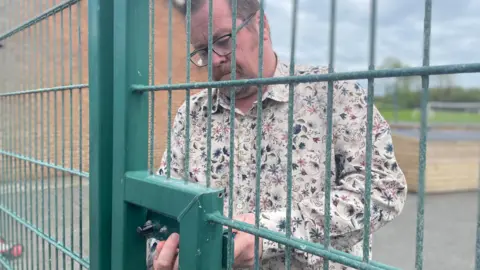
(52, 53)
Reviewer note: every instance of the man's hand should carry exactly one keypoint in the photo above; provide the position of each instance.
(166, 257)
(244, 250)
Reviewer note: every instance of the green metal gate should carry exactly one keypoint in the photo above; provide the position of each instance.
(42, 135)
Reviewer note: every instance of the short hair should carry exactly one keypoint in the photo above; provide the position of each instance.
(245, 8)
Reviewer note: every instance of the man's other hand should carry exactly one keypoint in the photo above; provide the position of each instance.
(166, 257)
(244, 249)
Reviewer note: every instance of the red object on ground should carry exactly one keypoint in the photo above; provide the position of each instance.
(10, 251)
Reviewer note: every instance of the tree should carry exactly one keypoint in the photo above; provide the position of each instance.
(400, 84)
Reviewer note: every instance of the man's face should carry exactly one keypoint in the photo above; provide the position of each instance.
(247, 44)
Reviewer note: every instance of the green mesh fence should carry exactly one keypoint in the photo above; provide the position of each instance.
(44, 109)
(49, 115)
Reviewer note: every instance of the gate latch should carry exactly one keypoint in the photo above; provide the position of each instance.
(150, 229)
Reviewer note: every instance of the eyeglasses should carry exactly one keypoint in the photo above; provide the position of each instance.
(221, 46)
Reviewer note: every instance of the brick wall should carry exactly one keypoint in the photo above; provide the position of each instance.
(54, 127)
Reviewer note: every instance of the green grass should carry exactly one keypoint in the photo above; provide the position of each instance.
(411, 115)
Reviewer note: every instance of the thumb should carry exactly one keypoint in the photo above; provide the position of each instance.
(240, 244)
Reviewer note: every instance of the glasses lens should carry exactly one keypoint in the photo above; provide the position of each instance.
(199, 59)
(223, 46)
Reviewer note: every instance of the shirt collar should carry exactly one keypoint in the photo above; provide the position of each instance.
(277, 92)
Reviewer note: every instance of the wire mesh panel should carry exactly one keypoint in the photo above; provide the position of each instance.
(44, 137)
(218, 155)
(169, 154)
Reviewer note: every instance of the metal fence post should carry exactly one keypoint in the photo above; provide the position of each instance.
(100, 20)
(130, 127)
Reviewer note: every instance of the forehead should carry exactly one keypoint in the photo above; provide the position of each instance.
(221, 21)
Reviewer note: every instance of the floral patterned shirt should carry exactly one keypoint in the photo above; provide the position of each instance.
(309, 154)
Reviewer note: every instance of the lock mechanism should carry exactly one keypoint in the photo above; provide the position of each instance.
(162, 230)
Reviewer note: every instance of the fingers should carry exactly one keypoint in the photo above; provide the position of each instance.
(158, 249)
(166, 253)
(175, 267)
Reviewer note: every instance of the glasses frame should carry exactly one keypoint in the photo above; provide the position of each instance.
(229, 35)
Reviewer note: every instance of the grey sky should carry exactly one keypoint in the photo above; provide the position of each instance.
(455, 36)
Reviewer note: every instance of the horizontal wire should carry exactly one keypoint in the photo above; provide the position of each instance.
(45, 164)
(45, 90)
(297, 244)
(52, 11)
(5, 264)
(52, 241)
(367, 74)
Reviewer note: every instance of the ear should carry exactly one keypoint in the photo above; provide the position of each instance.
(266, 26)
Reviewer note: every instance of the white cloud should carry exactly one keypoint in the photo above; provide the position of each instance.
(400, 26)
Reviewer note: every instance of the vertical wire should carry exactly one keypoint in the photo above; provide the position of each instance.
(370, 101)
(231, 175)
(2, 173)
(49, 84)
(11, 182)
(3, 178)
(258, 158)
(62, 50)
(10, 166)
(24, 236)
(152, 81)
(18, 195)
(37, 65)
(187, 93)
(42, 132)
(21, 146)
(209, 93)
(30, 147)
(423, 139)
(290, 135)
(169, 81)
(4, 141)
(42, 138)
(3, 109)
(17, 164)
(20, 163)
(55, 131)
(70, 43)
(80, 143)
(328, 152)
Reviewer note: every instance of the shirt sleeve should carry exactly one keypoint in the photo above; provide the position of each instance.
(388, 184)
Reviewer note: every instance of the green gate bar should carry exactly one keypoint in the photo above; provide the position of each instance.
(137, 193)
(100, 56)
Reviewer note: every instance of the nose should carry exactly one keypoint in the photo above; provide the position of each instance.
(218, 60)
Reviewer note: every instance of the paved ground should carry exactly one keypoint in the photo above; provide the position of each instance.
(60, 223)
(450, 226)
(450, 233)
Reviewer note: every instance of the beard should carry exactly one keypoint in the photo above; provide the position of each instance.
(240, 91)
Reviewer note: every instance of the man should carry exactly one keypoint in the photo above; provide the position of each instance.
(309, 148)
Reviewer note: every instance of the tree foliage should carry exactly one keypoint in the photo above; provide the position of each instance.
(406, 92)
